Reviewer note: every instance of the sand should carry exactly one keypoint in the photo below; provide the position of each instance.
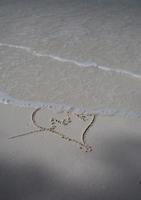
(80, 61)
(45, 166)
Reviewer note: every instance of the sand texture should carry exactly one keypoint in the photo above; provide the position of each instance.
(42, 165)
(70, 99)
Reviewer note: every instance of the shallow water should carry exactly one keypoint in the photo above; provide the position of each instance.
(72, 55)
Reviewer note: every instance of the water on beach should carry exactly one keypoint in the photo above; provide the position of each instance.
(72, 55)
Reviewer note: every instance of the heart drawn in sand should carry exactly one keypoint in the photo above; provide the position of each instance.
(56, 126)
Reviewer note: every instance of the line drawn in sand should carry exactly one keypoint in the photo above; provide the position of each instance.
(54, 123)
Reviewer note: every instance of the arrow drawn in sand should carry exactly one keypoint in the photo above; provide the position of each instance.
(54, 124)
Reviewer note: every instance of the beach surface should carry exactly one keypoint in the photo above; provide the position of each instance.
(45, 166)
(70, 100)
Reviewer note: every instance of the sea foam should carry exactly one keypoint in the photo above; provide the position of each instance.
(71, 61)
(6, 99)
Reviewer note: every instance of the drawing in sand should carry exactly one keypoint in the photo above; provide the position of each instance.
(54, 123)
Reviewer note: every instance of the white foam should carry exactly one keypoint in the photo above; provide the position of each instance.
(70, 61)
(6, 99)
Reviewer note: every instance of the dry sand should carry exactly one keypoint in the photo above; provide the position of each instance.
(45, 166)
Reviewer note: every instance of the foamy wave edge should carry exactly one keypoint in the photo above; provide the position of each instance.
(75, 62)
(6, 99)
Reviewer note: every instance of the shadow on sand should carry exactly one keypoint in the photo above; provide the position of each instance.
(32, 182)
